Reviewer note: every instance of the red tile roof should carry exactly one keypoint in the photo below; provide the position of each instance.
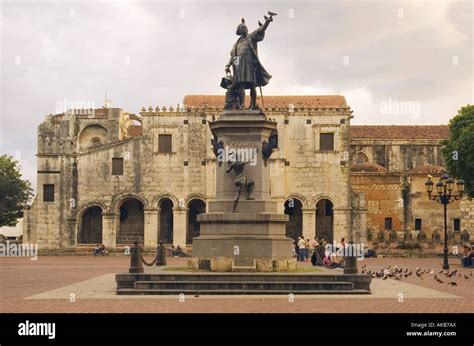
(217, 101)
(399, 131)
(134, 130)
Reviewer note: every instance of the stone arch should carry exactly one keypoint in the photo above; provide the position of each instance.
(90, 225)
(165, 233)
(360, 157)
(156, 200)
(319, 197)
(193, 196)
(294, 209)
(131, 221)
(298, 196)
(92, 135)
(119, 198)
(325, 219)
(195, 206)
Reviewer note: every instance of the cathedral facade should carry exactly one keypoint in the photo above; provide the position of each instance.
(108, 176)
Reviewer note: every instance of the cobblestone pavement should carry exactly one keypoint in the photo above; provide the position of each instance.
(21, 278)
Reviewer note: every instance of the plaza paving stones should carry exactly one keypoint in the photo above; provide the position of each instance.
(46, 285)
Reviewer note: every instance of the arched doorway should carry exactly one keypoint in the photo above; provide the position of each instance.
(132, 222)
(325, 220)
(166, 221)
(90, 231)
(195, 207)
(294, 227)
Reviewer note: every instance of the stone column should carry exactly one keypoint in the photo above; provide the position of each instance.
(151, 227)
(342, 224)
(109, 229)
(72, 227)
(179, 227)
(309, 223)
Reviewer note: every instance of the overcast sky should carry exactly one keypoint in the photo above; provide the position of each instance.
(379, 54)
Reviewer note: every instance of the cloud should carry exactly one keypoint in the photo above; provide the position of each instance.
(154, 53)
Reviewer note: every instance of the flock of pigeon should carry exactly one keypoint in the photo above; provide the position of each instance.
(398, 273)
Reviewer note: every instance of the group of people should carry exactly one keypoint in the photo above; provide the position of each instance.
(320, 251)
(100, 250)
(467, 257)
(177, 251)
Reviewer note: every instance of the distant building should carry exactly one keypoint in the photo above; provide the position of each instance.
(14, 232)
(109, 176)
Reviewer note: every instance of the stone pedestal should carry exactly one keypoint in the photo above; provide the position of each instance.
(255, 231)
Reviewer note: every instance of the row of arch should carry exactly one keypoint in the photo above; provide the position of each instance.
(132, 220)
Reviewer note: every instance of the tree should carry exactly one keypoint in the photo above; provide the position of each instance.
(14, 192)
(458, 150)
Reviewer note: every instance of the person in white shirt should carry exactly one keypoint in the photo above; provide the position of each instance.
(301, 249)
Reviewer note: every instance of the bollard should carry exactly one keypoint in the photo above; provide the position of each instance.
(350, 266)
(160, 255)
(136, 265)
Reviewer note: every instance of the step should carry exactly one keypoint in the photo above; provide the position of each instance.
(238, 277)
(244, 285)
(175, 292)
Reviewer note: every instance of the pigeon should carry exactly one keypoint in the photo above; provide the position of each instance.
(466, 277)
(432, 271)
(439, 280)
(452, 283)
(419, 274)
(385, 277)
(406, 270)
(398, 277)
(450, 275)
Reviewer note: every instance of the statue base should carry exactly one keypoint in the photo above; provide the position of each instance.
(253, 237)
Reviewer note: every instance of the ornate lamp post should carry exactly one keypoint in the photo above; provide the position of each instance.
(444, 195)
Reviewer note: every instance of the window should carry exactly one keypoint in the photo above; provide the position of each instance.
(164, 143)
(326, 141)
(388, 223)
(417, 224)
(117, 166)
(457, 225)
(273, 139)
(48, 193)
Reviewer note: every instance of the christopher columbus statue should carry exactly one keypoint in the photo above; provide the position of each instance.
(248, 71)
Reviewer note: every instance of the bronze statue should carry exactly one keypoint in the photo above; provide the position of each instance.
(241, 180)
(249, 73)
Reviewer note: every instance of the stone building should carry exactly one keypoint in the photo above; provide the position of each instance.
(108, 176)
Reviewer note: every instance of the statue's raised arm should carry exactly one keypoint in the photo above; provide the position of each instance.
(249, 73)
(267, 21)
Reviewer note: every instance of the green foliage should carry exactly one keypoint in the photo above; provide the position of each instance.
(462, 142)
(14, 192)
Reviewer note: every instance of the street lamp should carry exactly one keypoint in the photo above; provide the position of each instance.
(444, 195)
